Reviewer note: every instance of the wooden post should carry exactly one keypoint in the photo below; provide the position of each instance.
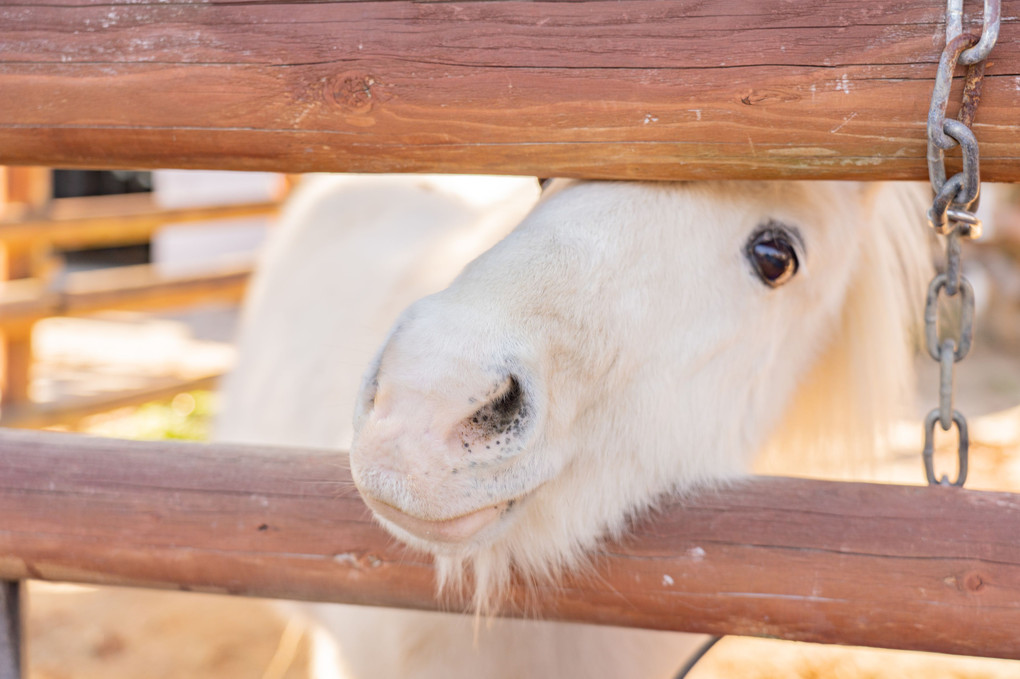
(15, 365)
(30, 188)
(11, 637)
(26, 190)
(15, 339)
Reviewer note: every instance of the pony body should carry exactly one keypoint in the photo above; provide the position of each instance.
(624, 343)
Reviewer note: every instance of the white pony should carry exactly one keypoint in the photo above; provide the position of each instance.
(625, 343)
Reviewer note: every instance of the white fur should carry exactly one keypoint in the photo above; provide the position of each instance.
(651, 359)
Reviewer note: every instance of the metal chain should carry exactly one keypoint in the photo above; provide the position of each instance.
(952, 215)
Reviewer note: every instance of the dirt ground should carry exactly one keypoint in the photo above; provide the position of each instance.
(118, 633)
(111, 633)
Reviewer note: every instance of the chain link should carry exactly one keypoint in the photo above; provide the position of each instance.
(989, 32)
(952, 215)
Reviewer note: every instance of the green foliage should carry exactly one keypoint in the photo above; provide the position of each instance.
(187, 416)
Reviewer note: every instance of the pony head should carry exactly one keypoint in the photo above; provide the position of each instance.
(625, 342)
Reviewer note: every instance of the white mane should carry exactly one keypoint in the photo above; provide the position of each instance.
(619, 334)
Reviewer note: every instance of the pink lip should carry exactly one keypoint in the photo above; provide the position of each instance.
(450, 531)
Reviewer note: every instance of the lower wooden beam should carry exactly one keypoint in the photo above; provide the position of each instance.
(918, 568)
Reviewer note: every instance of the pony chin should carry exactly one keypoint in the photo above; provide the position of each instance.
(527, 554)
(532, 543)
(556, 530)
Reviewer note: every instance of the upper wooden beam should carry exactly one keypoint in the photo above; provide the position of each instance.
(665, 89)
(934, 569)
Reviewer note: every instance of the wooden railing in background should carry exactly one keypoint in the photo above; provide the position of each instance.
(107, 221)
(32, 226)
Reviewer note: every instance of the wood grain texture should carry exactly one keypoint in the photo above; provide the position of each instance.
(901, 567)
(663, 89)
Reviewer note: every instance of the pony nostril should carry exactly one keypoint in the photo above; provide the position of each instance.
(506, 406)
(500, 421)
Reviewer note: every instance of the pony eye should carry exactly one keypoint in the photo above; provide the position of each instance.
(773, 256)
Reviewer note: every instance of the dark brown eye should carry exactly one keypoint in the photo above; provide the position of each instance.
(773, 256)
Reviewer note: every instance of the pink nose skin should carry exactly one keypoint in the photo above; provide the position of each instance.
(447, 531)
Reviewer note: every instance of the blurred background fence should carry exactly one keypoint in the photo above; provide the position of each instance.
(83, 242)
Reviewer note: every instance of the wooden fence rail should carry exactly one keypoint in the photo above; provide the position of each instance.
(662, 89)
(890, 566)
(141, 286)
(108, 221)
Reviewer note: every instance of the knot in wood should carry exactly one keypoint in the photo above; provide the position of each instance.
(770, 96)
(973, 582)
(352, 92)
(966, 582)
